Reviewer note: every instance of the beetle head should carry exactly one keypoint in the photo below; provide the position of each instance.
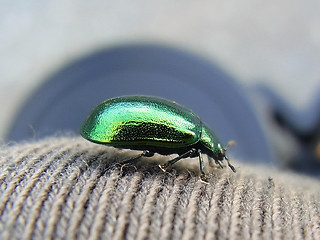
(221, 152)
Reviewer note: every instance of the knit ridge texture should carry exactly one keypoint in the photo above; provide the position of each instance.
(69, 188)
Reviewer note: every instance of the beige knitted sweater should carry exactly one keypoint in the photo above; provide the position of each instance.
(68, 188)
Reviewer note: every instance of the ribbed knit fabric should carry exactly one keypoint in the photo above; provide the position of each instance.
(68, 188)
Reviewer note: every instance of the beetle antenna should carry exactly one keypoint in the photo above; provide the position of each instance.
(230, 143)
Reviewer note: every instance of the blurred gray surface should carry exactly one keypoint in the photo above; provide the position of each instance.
(275, 42)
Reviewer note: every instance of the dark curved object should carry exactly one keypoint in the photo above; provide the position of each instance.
(64, 100)
(303, 125)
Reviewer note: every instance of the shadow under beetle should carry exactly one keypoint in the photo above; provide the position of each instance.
(152, 125)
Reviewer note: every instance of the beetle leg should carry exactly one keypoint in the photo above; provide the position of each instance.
(218, 163)
(189, 153)
(203, 177)
(229, 164)
(145, 153)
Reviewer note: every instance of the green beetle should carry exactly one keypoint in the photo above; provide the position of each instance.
(152, 125)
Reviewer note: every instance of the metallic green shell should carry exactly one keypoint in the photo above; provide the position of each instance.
(210, 140)
(142, 121)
